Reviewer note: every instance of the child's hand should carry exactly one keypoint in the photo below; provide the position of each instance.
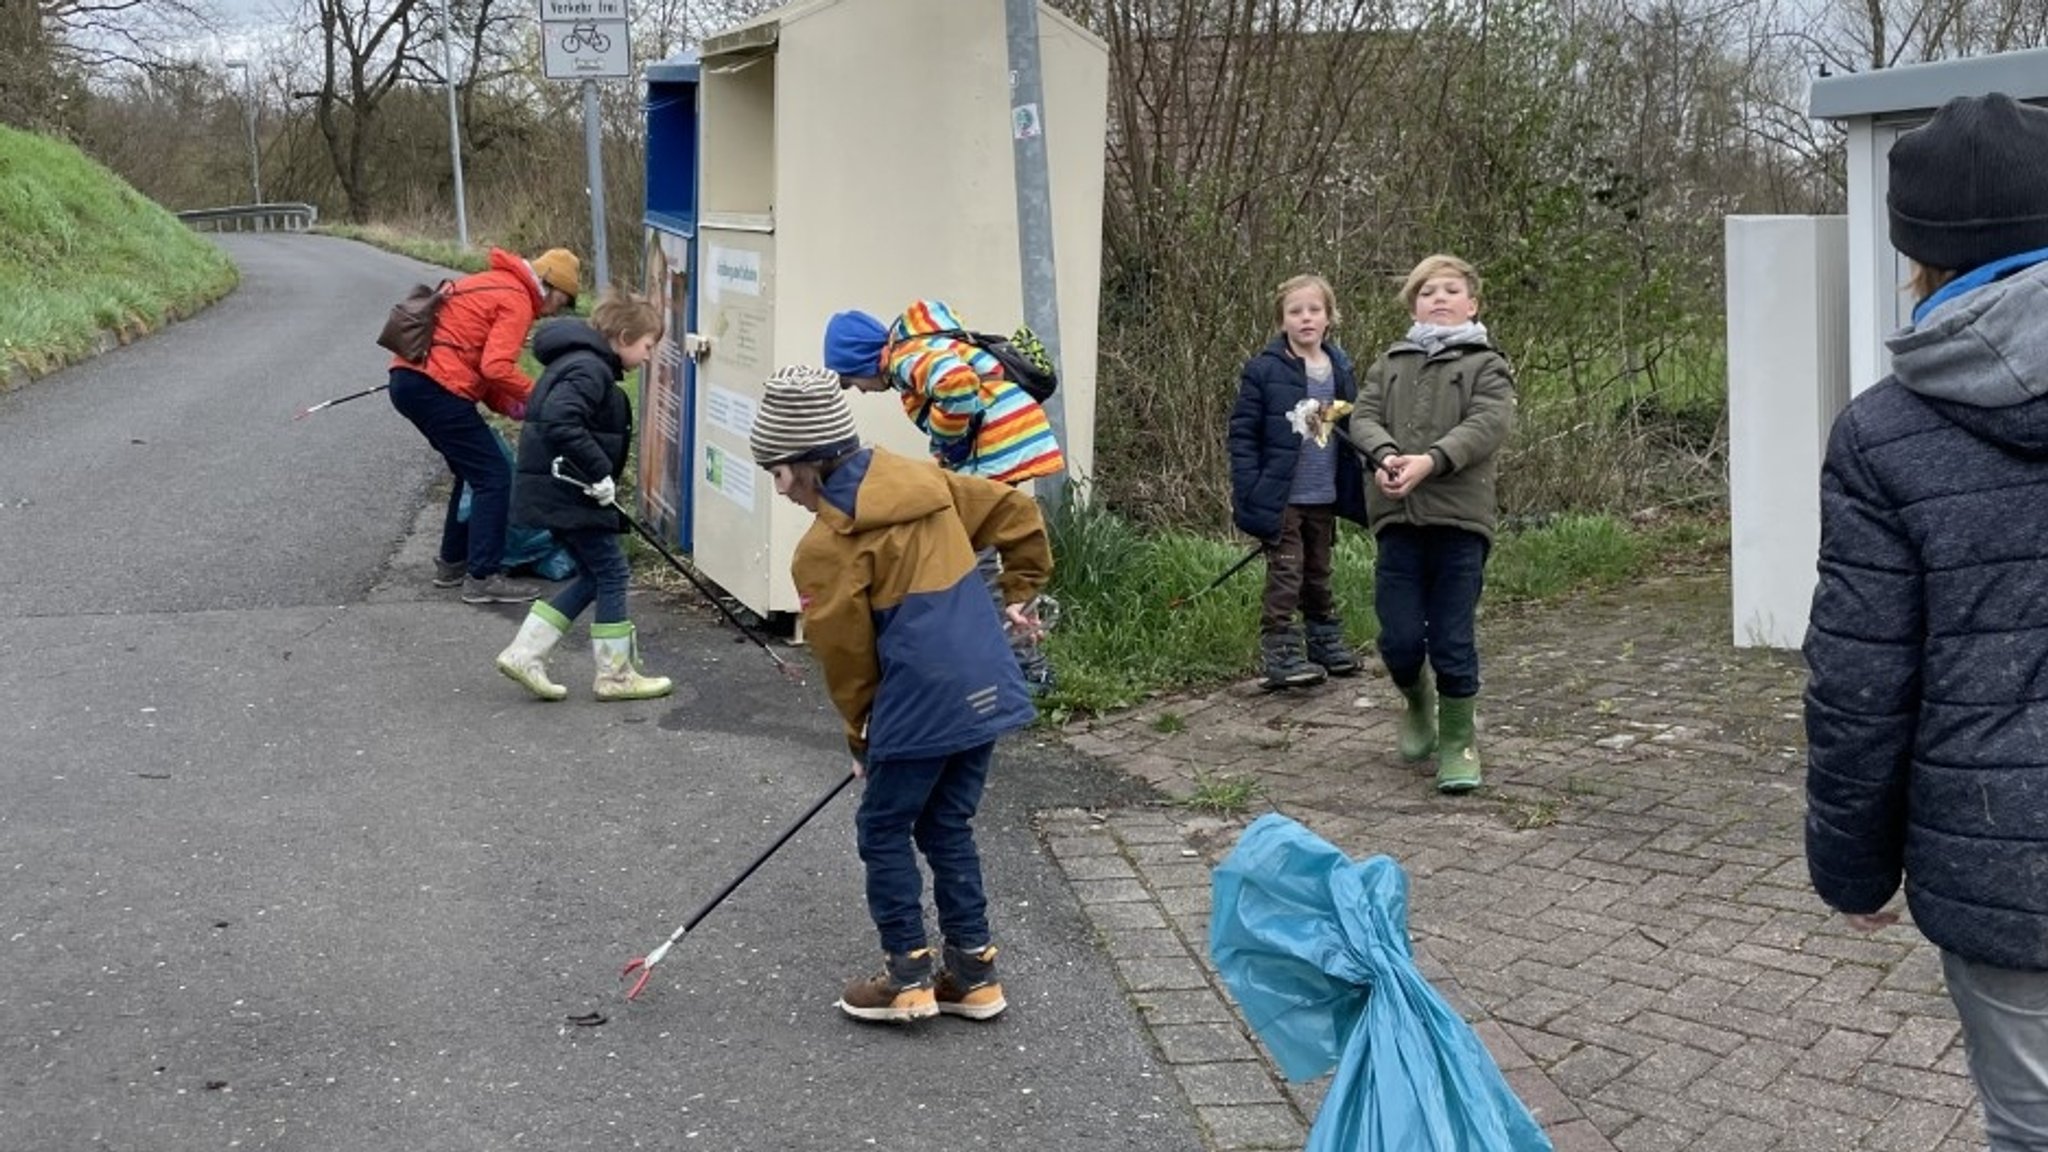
(1400, 475)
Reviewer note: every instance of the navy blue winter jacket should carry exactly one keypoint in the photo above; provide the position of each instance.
(1927, 707)
(1263, 446)
(577, 412)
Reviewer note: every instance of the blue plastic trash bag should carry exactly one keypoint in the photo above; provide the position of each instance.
(534, 549)
(1315, 948)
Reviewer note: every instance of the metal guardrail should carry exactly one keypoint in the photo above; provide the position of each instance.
(284, 217)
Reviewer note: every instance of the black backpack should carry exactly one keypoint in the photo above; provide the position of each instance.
(1023, 357)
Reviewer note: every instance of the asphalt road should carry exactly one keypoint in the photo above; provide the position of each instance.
(287, 865)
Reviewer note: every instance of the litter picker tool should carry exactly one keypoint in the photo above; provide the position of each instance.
(1257, 551)
(647, 534)
(644, 965)
(305, 412)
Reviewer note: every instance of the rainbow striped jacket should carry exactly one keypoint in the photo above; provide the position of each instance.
(978, 421)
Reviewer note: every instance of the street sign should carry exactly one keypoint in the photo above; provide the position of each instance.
(584, 40)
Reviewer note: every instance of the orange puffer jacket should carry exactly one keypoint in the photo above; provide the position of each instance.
(480, 332)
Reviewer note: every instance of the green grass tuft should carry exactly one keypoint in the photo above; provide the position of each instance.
(85, 254)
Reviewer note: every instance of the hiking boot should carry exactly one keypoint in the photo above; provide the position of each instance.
(967, 986)
(1417, 735)
(1326, 647)
(1286, 667)
(449, 573)
(1457, 751)
(900, 993)
(498, 588)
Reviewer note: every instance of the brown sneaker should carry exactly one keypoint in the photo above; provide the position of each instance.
(968, 985)
(900, 993)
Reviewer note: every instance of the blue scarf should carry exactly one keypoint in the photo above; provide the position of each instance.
(1977, 278)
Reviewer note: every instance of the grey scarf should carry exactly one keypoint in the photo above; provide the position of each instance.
(1434, 338)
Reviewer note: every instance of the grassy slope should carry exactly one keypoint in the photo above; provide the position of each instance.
(85, 253)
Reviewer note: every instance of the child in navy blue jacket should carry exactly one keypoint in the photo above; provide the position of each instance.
(1287, 489)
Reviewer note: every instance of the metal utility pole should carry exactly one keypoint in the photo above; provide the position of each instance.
(454, 126)
(249, 108)
(1034, 212)
(592, 129)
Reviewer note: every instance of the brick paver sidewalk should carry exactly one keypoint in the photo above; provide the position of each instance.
(1624, 912)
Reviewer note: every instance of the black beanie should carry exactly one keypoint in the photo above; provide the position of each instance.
(1971, 185)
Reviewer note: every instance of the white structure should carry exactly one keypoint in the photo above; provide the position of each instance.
(848, 154)
(1876, 107)
(1810, 301)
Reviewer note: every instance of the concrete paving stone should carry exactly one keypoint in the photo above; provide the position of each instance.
(1540, 1095)
(1203, 1043)
(1246, 1127)
(1652, 1134)
(1670, 1068)
(1621, 1002)
(1668, 862)
(1773, 992)
(1730, 913)
(1701, 959)
(1162, 974)
(1757, 1025)
(1919, 1042)
(1914, 1126)
(1180, 902)
(1733, 1134)
(1789, 928)
(1126, 915)
(1932, 1004)
(1093, 893)
(1753, 1066)
(1855, 1016)
(1131, 943)
(1537, 1007)
(1782, 959)
(1844, 984)
(1162, 1007)
(1181, 874)
(1506, 1053)
(1660, 1025)
(1238, 1082)
(1719, 1098)
(1846, 1099)
(1919, 970)
(1098, 867)
(1706, 991)
(1861, 950)
(1578, 983)
(1065, 848)
(1606, 1117)
(1147, 829)
(1580, 1135)
(1954, 1062)
(1632, 972)
(1820, 1131)
(1622, 1039)
(1588, 1069)
(1935, 1087)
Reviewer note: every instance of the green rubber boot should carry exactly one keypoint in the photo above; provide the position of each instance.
(1418, 720)
(1457, 750)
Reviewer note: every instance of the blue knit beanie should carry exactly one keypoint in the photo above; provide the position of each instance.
(853, 344)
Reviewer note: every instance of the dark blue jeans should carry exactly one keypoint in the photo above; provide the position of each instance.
(928, 803)
(1426, 589)
(601, 575)
(452, 426)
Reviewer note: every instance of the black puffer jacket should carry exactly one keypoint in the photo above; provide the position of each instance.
(1263, 446)
(1927, 707)
(579, 413)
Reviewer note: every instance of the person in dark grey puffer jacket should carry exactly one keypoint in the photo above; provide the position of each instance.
(1927, 707)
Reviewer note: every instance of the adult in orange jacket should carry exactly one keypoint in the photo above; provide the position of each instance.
(478, 335)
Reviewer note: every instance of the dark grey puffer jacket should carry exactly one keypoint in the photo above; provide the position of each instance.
(1927, 708)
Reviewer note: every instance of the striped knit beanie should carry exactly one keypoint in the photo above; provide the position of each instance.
(803, 416)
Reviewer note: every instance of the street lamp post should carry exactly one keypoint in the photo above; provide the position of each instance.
(249, 105)
(454, 125)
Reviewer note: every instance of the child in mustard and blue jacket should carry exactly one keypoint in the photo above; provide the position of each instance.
(914, 654)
